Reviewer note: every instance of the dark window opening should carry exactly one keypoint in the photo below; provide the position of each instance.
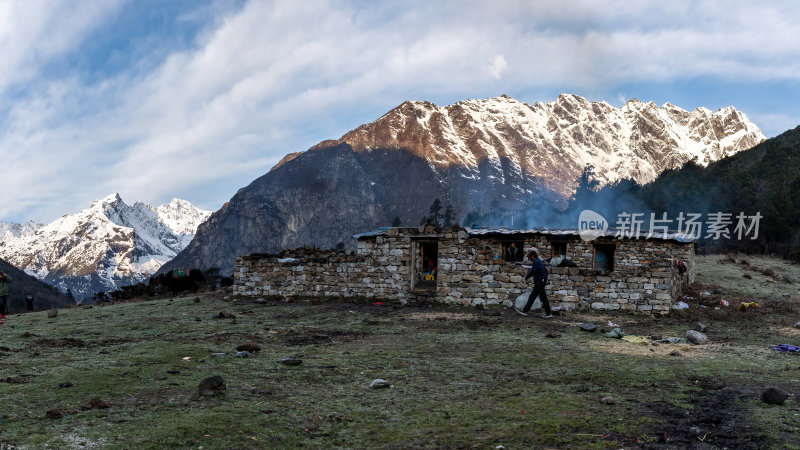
(428, 262)
(558, 248)
(604, 257)
(513, 251)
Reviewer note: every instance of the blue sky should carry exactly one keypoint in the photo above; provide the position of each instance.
(193, 99)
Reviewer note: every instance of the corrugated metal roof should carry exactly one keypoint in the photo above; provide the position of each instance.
(611, 232)
(487, 231)
(383, 231)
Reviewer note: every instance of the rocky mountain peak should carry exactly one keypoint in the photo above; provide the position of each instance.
(104, 246)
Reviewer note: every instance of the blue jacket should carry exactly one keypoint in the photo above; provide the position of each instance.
(538, 272)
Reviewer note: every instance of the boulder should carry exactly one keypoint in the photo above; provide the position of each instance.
(701, 327)
(774, 396)
(696, 337)
(54, 414)
(590, 327)
(52, 313)
(251, 347)
(609, 400)
(212, 386)
(379, 384)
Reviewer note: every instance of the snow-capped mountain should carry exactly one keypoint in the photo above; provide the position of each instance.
(554, 141)
(16, 230)
(492, 160)
(105, 246)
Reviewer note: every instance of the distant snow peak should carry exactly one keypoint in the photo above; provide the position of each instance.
(554, 141)
(104, 246)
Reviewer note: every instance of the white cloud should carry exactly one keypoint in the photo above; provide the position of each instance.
(498, 66)
(274, 77)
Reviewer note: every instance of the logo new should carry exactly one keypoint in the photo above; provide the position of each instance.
(591, 225)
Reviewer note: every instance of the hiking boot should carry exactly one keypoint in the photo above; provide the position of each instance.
(521, 313)
(547, 316)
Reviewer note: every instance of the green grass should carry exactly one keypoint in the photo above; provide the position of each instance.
(460, 377)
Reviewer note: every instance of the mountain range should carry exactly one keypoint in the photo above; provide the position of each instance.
(477, 156)
(103, 247)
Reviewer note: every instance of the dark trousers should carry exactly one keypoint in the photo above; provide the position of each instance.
(29, 305)
(4, 306)
(538, 291)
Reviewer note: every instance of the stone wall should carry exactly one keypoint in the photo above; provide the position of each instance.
(471, 271)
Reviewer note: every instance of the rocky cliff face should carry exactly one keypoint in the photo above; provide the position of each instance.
(105, 246)
(476, 155)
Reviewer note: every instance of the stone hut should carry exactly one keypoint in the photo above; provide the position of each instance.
(481, 266)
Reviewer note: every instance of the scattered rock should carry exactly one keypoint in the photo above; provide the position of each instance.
(261, 301)
(609, 400)
(251, 347)
(774, 396)
(379, 384)
(291, 361)
(696, 337)
(717, 291)
(98, 403)
(17, 380)
(655, 337)
(786, 294)
(616, 333)
(197, 299)
(197, 319)
(675, 353)
(224, 315)
(95, 403)
(54, 414)
(65, 384)
(590, 327)
(212, 386)
(218, 355)
(242, 355)
(797, 325)
(552, 335)
(701, 327)
(52, 313)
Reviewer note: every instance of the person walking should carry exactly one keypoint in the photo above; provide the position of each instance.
(29, 302)
(539, 274)
(4, 280)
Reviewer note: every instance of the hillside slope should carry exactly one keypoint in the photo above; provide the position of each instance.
(44, 295)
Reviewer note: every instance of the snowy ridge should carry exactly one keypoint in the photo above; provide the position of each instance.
(553, 142)
(104, 246)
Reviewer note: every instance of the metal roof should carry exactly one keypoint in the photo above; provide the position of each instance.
(504, 231)
(611, 232)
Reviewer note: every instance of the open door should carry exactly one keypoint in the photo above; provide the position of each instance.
(426, 265)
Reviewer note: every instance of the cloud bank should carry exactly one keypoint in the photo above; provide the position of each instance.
(196, 101)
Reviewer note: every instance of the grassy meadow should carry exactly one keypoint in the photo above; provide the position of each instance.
(460, 377)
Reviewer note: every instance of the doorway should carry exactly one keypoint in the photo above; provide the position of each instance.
(426, 265)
